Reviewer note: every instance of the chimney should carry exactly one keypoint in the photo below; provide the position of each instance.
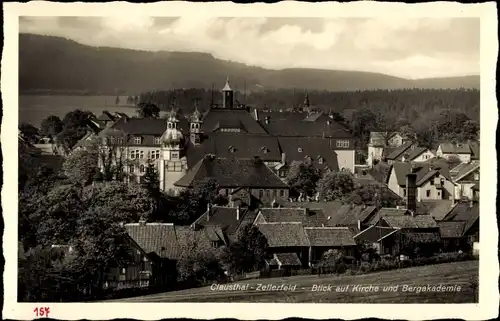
(411, 192)
(209, 211)
(283, 158)
(256, 114)
(328, 122)
(359, 225)
(142, 222)
(238, 213)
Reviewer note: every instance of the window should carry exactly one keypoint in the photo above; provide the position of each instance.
(442, 181)
(141, 168)
(268, 193)
(169, 125)
(282, 193)
(476, 176)
(174, 155)
(123, 271)
(404, 191)
(342, 143)
(132, 168)
(141, 154)
(138, 140)
(134, 154)
(112, 140)
(320, 160)
(155, 154)
(428, 193)
(261, 193)
(157, 140)
(299, 150)
(431, 181)
(439, 193)
(274, 193)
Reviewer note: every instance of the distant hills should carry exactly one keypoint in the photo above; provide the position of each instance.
(56, 64)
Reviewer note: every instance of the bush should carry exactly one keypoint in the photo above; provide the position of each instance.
(365, 267)
(350, 272)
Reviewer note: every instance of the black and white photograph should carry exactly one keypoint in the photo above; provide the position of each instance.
(188, 158)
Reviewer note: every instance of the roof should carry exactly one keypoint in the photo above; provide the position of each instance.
(465, 170)
(411, 154)
(226, 87)
(224, 217)
(380, 172)
(438, 209)
(297, 124)
(449, 148)
(284, 234)
(232, 172)
(424, 172)
(330, 236)
(464, 211)
(420, 237)
(451, 229)
(475, 187)
(349, 214)
(374, 233)
(474, 147)
(398, 152)
(216, 118)
(298, 148)
(290, 259)
(309, 217)
(409, 221)
(158, 238)
(147, 126)
(106, 116)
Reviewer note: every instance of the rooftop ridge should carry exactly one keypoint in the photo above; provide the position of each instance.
(149, 224)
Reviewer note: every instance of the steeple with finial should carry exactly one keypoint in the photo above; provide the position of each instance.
(227, 95)
(195, 131)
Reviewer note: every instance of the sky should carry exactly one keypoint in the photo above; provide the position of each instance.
(405, 47)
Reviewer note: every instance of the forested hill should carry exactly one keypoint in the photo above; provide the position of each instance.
(58, 65)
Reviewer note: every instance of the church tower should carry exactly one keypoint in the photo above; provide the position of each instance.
(173, 163)
(307, 103)
(227, 96)
(195, 131)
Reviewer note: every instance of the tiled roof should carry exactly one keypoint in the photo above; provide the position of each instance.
(408, 221)
(398, 152)
(157, 238)
(106, 116)
(330, 236)
(411, 154)
(224, 217)
(449, 229)
(310, 217)
(314, 147)
(349, 214)
(474, 147)
(232, 172)
(464, 211)
(438, 209)
(465, 170)
(380, 172)
(449, 148)
(374, 233)
(424, 172)
(289, 259)
(296, 125)
(243, 146)
(284, 234)
(217, 118)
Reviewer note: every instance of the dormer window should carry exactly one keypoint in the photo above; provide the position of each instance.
(342, 143)
(265, 150)
(299, 150)
(157, 140)
(232, 149)
(320, 160)
(138, 140)
(169, 125)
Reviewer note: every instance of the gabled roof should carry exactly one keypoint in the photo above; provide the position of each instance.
(232, 172)
(349, 214)
(438, 209)
(451, 229)
(313, 147)
(464, 211)
(449, 148)
(158, 238)
(284, 234)
(224, 217)
(474, 147)
(424, 172)
(465, 170)
(409, 221)
(106, 116)
(374, 233)
(411, 154)
(330, 236)
(309, 217)
(398, 152)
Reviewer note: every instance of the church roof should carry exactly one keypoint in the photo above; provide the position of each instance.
(226, 87)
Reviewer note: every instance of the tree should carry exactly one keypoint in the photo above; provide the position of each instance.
(74, 128)
(151, 181)
(373, 195)
(333, 259)
(81, 166)
(192, 202)
(51, 126)
(248, 253)
(148, 110)
(29, 133)
(111, 147)
(364, 121)
(302, 178)
(334, 185)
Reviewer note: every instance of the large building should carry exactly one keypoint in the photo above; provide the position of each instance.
(229, 130)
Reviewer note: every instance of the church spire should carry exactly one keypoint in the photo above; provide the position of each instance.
(227, 87)
(227, 96)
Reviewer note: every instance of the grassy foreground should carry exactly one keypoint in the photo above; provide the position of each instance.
(449, 274)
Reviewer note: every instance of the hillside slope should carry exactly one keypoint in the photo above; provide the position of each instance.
(58, 64)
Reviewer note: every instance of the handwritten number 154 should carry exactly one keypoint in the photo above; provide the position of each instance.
(42, 312)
